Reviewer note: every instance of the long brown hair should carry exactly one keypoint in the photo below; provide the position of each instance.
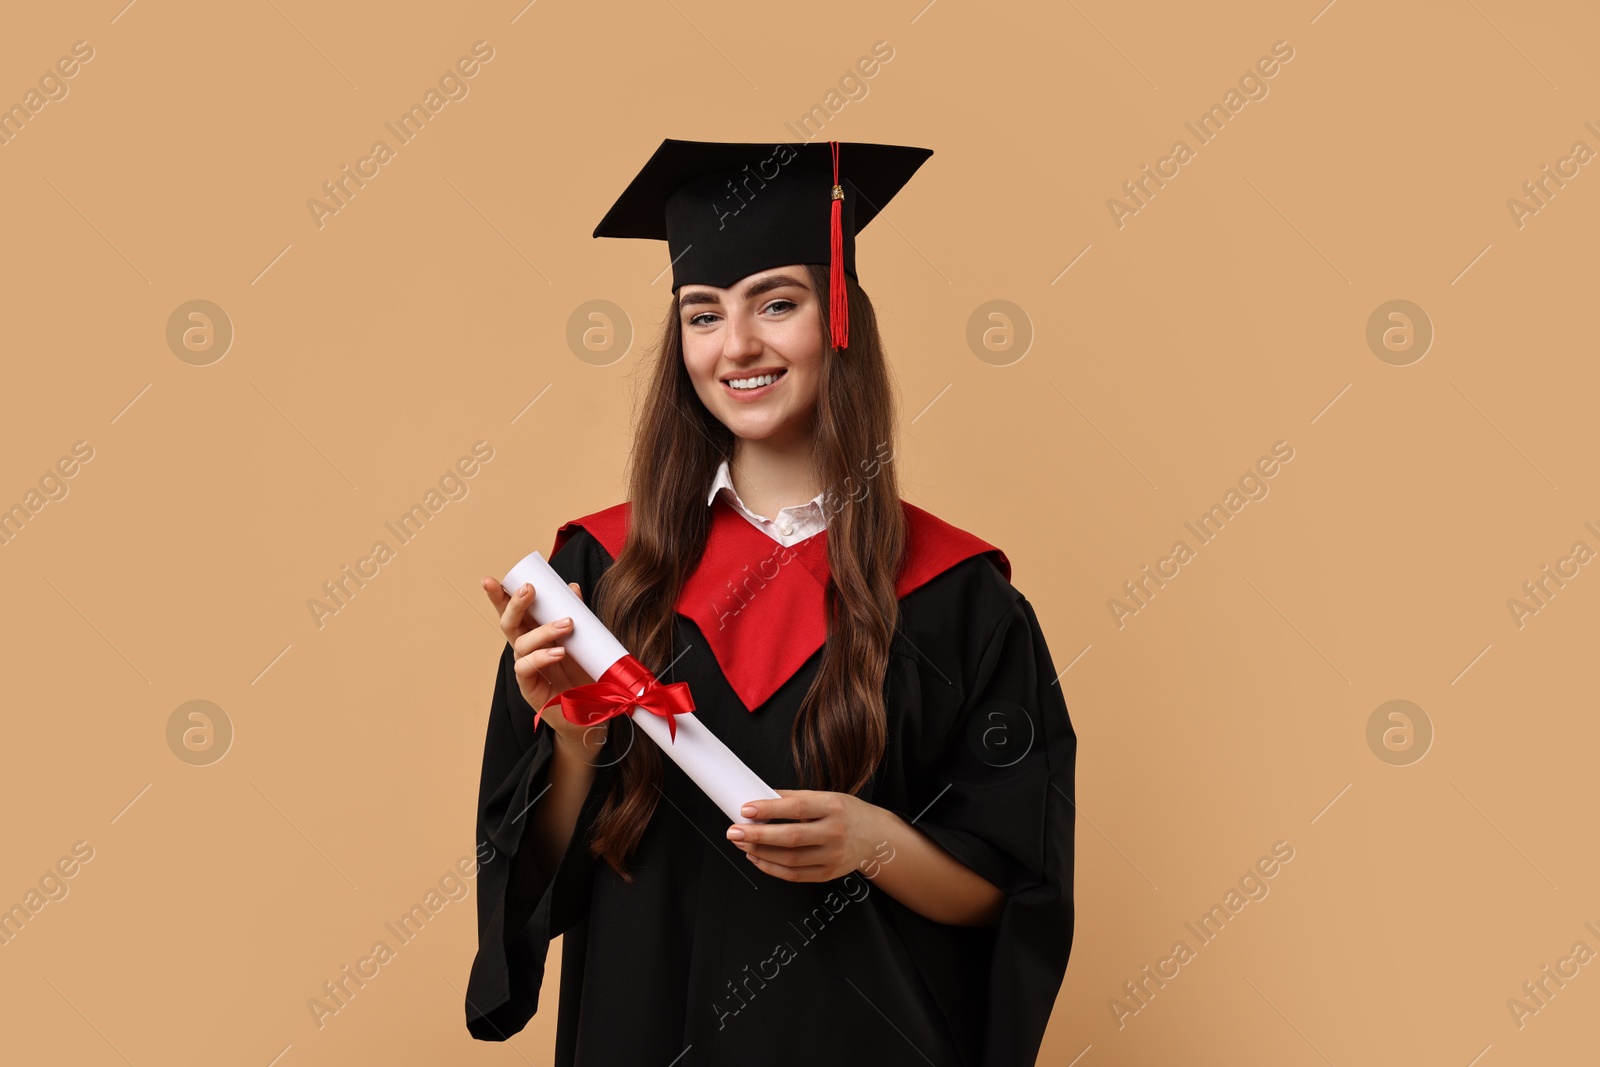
(840, 729)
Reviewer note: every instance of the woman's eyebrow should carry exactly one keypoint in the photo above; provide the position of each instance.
(754, 289)
(776, 281)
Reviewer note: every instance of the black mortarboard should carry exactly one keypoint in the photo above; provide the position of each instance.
(728, 210)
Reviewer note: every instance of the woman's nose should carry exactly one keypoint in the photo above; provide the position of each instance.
(740, 338)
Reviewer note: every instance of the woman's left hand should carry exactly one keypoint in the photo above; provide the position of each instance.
(837, 833)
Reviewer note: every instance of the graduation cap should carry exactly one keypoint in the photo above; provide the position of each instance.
(728, 210)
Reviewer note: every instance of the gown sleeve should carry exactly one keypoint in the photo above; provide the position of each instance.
(1009, 815)
(521, 907)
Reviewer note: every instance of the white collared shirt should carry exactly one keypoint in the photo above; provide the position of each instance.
(792, 525)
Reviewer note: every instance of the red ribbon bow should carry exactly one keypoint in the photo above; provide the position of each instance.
(618, 690)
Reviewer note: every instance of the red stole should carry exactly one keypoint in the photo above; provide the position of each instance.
(760, 604)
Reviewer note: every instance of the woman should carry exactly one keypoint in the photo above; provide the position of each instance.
(909, 897)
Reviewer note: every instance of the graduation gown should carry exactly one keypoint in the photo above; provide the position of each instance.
(707, 960)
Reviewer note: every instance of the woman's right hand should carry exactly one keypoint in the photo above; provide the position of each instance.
(541, 663)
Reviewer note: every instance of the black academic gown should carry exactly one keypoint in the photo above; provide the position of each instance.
(705, 959)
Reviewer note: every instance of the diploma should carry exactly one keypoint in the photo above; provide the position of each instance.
(708, 762)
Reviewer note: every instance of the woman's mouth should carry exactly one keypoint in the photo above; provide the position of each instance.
(754, 386)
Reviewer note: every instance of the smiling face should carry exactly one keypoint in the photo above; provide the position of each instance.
(754, 352)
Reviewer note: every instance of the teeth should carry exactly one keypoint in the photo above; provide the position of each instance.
(753, 383)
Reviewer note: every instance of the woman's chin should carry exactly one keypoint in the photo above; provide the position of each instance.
(755, 429)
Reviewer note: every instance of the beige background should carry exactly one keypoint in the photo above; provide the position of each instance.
(1227, 314)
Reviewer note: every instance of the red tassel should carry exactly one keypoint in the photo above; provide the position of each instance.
(838, 307)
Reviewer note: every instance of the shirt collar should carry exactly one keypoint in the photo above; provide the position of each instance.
(724, 480)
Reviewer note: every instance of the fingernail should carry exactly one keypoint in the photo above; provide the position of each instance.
(527, 588)
(564, 622)
(735, 834)
(748, 811)
(557, 652)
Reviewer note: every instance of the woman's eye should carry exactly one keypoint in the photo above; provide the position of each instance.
(777, 307)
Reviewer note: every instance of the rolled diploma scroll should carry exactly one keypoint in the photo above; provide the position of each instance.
(712, 766)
